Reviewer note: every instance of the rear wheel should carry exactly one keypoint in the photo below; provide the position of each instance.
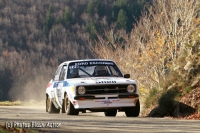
(133, 111)
(112, 112)
(68, 107)
(50, 107)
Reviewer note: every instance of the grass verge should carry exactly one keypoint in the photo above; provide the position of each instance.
(22, 103)
(16, 130)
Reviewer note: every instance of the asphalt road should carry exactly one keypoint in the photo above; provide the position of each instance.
(35, 117)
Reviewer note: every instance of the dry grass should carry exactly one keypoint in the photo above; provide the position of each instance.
(151, 101)
(16, 130)
(22, 103)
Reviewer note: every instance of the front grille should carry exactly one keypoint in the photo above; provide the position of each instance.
(109, 89)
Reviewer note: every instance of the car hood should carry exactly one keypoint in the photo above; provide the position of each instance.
(100, 80)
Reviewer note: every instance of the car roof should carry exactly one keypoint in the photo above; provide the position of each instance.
(67, 62)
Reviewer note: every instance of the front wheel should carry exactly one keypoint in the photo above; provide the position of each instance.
(50, 107)
(68, 107)
(112, 112)
(133, 111)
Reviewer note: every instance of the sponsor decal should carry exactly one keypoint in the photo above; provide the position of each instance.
(81, 63)
(55, 84)
(106, 102)
(72, 88)
(90, 63)
(72, 67)
(64, 83)
(95, 78)
(106, 82)
(101, 63)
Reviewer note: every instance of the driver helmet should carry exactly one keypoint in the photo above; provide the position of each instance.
(101, 70)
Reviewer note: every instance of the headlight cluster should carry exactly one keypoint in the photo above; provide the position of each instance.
(81, 90)
(130, 88)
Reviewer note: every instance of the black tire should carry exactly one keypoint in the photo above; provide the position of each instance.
(68, 107)
(50, 107)
(133, 111)
(112, 112)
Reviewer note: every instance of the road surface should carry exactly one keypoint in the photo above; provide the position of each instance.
(35, 117)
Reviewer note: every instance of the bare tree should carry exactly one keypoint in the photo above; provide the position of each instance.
(157, 39)
(174, 19)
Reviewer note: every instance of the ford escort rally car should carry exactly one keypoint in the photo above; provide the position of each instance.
(94, 85)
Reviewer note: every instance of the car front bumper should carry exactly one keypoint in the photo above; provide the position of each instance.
(105, 101)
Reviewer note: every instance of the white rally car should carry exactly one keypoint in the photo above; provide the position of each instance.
(93, 84)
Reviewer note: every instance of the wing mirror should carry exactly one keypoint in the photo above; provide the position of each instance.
(127, 76)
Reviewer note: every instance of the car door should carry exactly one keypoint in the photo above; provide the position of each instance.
(59, 82)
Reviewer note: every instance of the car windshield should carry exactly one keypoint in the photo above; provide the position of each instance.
(86, 69)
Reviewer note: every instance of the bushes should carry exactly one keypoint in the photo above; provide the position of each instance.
(151, 101)
(152, 98)
(166, 101)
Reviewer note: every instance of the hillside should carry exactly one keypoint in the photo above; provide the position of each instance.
(37, 35)
(162, 53)
(192, 99)
(181, 95)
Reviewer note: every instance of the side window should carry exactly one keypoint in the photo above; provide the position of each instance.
(63, 73)
(56, 76)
